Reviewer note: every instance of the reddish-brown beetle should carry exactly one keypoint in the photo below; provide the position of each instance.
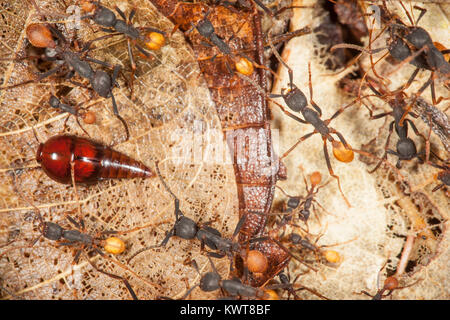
(92, 161)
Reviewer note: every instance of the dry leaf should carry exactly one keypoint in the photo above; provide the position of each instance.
(170, 109)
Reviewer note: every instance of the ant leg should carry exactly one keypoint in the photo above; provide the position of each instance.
(340, 110)
(399, 164)
(147, 54)
(239, 225)
(306, 136)
(391, 129)
(433, 94)
(341, 138)
(379, 116)
(422, 13)
(40, 77)
(115, 109)
(100, 62)
(410, 80)
(330, 170)
(116, 113)
(413, 126)
(277, 55)
(133, 67)
(169, 235)
(311, 92)
(125, 281)
(283, 38)
(120, 12)
(88, 44)
(416, 96)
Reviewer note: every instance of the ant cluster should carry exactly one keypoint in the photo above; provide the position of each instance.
(263, 242)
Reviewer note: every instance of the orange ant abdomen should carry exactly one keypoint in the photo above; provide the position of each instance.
(40, 36)
(92, 161)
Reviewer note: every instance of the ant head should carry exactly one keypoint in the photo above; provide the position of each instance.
(102, 83)
(40, 36)
(399, 49)
(210, 281)
(54, 102)
(52, 231)
(186, 228)
(295, 239)
(104, 17)
(419, 37)
(406, 149)
(205, 27)
(293, 202)
(295, 99)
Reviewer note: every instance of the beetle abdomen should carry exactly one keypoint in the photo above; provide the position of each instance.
(93, 161)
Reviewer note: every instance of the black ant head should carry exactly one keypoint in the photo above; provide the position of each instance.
(186, 228)
(293, 202)
(304, 214)
(205, 28)
(406, 149)
(54, 102)
(419, 37)
(210, 282)
(295, 238)
(104, 17)
(399, 49)
(295, 99)
(52, 231)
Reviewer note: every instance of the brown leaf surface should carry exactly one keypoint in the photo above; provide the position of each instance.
(170, 110)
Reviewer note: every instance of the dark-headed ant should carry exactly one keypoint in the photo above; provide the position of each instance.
(409, 44)
(286, 284)
(108, 21)
(300, 206)
(406, 147)
(83, 242)
(188, 229)
(87, 116)
(391, 283)
(205, 28)
(297, 102)
(211, 281)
